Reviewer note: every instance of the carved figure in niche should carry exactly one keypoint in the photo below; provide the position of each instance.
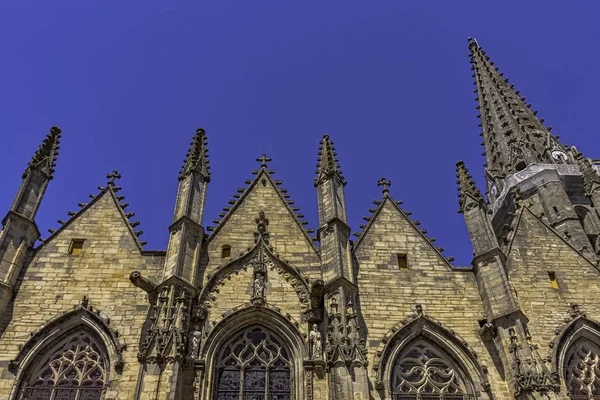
(258, 294)
(195, 344)
(316, 343)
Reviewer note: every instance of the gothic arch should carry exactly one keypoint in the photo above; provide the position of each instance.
(83, 323)
(250, 317)
(270, 260)
(424, 334)
(578, 352)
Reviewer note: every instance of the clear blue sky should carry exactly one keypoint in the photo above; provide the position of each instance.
(129, 82)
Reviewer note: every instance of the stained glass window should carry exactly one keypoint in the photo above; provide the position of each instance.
(75, 368)
(582, 370)
(423, 372)
(254, 365)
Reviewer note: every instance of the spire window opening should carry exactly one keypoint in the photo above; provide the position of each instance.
(226, 251)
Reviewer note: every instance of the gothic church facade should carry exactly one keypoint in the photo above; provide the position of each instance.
(258, 308)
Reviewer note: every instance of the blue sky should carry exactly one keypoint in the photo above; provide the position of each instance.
(129, 82)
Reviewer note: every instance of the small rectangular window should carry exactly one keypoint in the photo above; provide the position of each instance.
(76, 246)
(553, 281)
(226, 251)
(402, 261)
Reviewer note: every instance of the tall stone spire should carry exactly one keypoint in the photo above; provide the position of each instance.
(513, 135)
(19, 231)
(186, 229)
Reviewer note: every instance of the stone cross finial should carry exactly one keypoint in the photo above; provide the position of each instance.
(264, 160)
(385, 183)
(112, 176)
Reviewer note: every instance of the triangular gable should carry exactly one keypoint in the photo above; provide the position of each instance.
(263, 179)
(389, 204)
(89, 207)
(528, 224)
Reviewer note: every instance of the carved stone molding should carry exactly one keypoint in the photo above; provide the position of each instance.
(421, 324)
(82, 314)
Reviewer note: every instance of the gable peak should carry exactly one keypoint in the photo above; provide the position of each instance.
(111, 190)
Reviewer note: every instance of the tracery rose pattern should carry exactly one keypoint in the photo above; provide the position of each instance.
(424, 372)
(74, 368)
(582, 372)
(254, 365)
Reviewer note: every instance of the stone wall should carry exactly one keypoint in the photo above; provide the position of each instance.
(54, 282)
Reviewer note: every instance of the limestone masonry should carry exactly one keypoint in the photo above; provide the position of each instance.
(257, 308)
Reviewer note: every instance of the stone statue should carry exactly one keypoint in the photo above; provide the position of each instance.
(259, 287)
(316, 342)
(195, 344)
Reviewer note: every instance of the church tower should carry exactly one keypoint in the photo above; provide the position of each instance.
(538, 192)
(19, 230)
(524, 158)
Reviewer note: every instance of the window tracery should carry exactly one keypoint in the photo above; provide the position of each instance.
(582, 370)
(254, 365)
(75, 368)
(424, 372)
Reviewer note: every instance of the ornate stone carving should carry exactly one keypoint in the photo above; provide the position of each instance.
(316, 343)
(309, 373)
(531, 372)
(195, 338)
(582, 370)
(251, 358)
(344, 344)
(166, 339)
(424, 369)
(258, 292)
(75, 367)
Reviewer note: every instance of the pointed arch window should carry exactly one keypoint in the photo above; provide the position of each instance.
(254, 364)
(582, 370)
(423, 371)
(73, 368)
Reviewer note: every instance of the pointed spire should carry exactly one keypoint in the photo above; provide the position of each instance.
(591, 178)
(327, 162)
(47, 153)
(197, 157)
(466, 186)
(513, 135)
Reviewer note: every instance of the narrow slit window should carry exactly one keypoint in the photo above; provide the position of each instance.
(76, 246)
(553, 281)
(226, 251)
(402, 261)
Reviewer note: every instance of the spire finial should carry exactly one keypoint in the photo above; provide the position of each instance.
(47, 152)
(513, 135)
(264, 160)
(385, 183)
(466, 186)
(327, 161)
(112, 176)
(197, 157)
